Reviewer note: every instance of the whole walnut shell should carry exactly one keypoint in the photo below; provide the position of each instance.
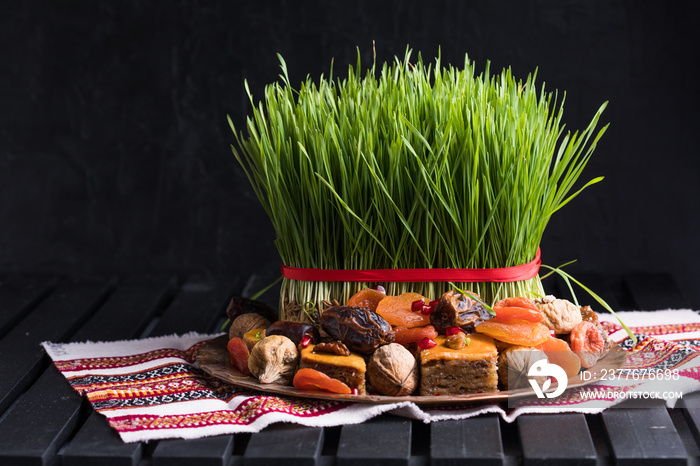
(244, 323)
(514, 365)
(274, 360)
(393, 371)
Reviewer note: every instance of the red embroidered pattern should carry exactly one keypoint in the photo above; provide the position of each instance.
(246, 413)
(168, 385)
(668, 329)
(125, 361)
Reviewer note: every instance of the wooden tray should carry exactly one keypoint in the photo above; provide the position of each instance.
(213, 358)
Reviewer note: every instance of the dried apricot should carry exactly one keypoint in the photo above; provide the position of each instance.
(238, 355)
(509, 314)
(517, 332)
(407, 336)
(518, 301)
(397, 311)
(368, 297)
(311, 379)
(587, 343)
(559, 353)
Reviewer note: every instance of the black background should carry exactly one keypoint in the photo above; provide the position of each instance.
(115, 151)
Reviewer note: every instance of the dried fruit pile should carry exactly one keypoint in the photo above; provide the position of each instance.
(373, 343)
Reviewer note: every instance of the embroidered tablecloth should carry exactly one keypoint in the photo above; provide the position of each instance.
(151, 389)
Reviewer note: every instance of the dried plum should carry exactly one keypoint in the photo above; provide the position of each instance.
(295, 331)
(361, 329)
(240, 305)
(457, 310)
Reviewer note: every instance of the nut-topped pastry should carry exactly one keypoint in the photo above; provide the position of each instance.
(348, 369)
(469, 369)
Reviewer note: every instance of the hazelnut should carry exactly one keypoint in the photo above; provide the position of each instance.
(393, 371)
(244, 323)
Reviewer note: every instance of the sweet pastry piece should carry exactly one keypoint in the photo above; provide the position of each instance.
(470, 369)
(348, 369)
(252, 337)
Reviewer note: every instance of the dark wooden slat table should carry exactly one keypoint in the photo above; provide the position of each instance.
(477, 439)
(44, 422)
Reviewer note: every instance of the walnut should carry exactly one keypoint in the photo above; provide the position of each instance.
(244, 323)
(457, 341)
(560, 315)
(393, 371)
(274, 360)
(514, 364)
(332, 347)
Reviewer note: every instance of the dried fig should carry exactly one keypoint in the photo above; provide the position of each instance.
(393, 371)
(274, 360)
(560, 315)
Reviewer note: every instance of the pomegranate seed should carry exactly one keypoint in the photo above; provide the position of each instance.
(430, 308)
(305, 340)
(426, 343)
(551, 332)
(381, 289)
(454, 330)
(417, 305)
(354, 391)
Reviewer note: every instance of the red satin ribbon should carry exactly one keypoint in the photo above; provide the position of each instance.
(506, 274)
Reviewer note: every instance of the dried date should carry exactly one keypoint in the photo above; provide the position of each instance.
(360, 329)
(457, 310)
